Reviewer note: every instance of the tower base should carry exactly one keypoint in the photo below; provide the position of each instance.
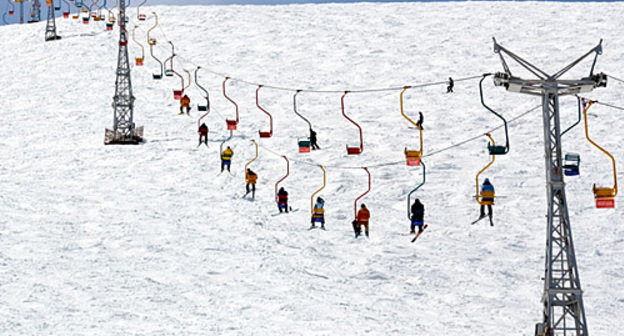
(116, 138)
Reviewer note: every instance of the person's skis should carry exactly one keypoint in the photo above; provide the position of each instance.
(478, 219)
(419, 233)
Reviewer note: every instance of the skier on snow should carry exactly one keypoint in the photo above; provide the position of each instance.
(282, 200)
(318, 214)
(418, 215)
(250, 178)
(362, 217)
(226, 158)
(185, 102)
(203, 133)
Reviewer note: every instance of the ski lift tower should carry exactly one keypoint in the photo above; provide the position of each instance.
(50, 34)
(563, 313)
(124, 131)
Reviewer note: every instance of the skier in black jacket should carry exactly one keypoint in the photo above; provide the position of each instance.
(418, 215)
(313, 143)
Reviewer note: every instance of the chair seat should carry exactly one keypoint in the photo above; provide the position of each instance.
(497, 150)
(265, 134)
(231, 124)
(412, 153)
(354, 150)
(177, 94)
(304, 146)
(604, 192)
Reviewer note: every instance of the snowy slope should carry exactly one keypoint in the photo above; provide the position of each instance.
(150, 240)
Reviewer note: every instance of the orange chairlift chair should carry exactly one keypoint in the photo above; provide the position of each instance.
(605, 196)
(412, 157)
(485, 197)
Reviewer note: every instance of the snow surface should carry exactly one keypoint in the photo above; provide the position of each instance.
(150, 240)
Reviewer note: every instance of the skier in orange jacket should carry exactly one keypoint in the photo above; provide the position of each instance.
(362, 217)
(185, 102)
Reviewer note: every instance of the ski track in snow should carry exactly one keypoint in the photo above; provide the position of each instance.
(150, 240)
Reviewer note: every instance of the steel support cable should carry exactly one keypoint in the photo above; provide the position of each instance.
(422, 85)
(402, 162)
(616, 78)
(609, 105)
(282, 88)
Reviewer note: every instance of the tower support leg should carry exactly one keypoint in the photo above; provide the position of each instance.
(563, 312)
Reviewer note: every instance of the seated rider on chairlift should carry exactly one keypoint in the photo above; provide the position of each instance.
(318, 214)
(203, 133)
(487, 187)
(313, 143)
(361, 219)
(185, 102)
(226, 158)
(282, 200)
(451, 84)
(250, 178)
(418, 214)
(420, 120)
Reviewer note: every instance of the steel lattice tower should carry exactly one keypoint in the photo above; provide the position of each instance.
(124, 130)
(50, 34)
(563, 312)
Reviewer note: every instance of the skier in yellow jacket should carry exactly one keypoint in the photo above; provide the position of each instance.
(226, 158)
(318, 214)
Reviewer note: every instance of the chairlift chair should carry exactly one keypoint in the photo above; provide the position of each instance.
(485, 197)
(138, 60)
(493, 149)
(264, 134)
(571, 165)
(412, 157)
(200, 107)
(150, 40)
(231, 123)
(572, 161)
(604, 196)
(141, 17)
(303, 144)
(352, 150)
